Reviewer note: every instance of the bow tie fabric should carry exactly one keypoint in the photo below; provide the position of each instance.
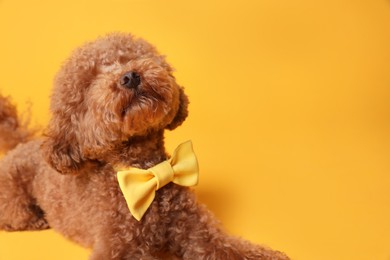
(139, 186)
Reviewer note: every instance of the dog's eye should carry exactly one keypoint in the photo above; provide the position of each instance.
(123, 59)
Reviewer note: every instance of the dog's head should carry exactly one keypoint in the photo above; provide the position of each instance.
(109, 91)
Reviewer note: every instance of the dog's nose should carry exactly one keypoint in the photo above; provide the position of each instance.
(130, 80)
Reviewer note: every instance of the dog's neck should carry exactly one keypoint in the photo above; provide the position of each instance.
(141, 151)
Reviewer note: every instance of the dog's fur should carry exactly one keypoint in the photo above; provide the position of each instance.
(66, 179)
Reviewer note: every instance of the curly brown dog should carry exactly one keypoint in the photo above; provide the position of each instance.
(111, 103)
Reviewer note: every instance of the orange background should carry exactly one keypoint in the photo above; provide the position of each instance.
(289, 115)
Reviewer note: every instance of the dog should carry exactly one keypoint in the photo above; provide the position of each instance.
(111, 103)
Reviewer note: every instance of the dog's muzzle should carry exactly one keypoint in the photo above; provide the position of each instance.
(130, 80)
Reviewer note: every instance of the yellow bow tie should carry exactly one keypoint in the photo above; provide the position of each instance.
(139, 186)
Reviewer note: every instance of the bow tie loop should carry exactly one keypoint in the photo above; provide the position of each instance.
(139, 186)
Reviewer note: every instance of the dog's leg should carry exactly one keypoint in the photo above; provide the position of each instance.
(110, 246)
(122, 254)
(18, 209)
(207, 242)
(196, 234)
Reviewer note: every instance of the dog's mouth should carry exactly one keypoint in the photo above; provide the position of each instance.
(141, 101)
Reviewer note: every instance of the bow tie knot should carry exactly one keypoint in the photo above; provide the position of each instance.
(164, 173)
(139, 186)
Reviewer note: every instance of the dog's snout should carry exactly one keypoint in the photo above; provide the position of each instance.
(130, 80)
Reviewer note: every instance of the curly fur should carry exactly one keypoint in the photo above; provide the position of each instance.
(65, 180)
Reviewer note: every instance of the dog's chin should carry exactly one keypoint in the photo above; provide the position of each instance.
(144, 114)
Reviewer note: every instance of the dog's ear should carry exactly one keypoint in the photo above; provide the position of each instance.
(182, 112)
(61, 149)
